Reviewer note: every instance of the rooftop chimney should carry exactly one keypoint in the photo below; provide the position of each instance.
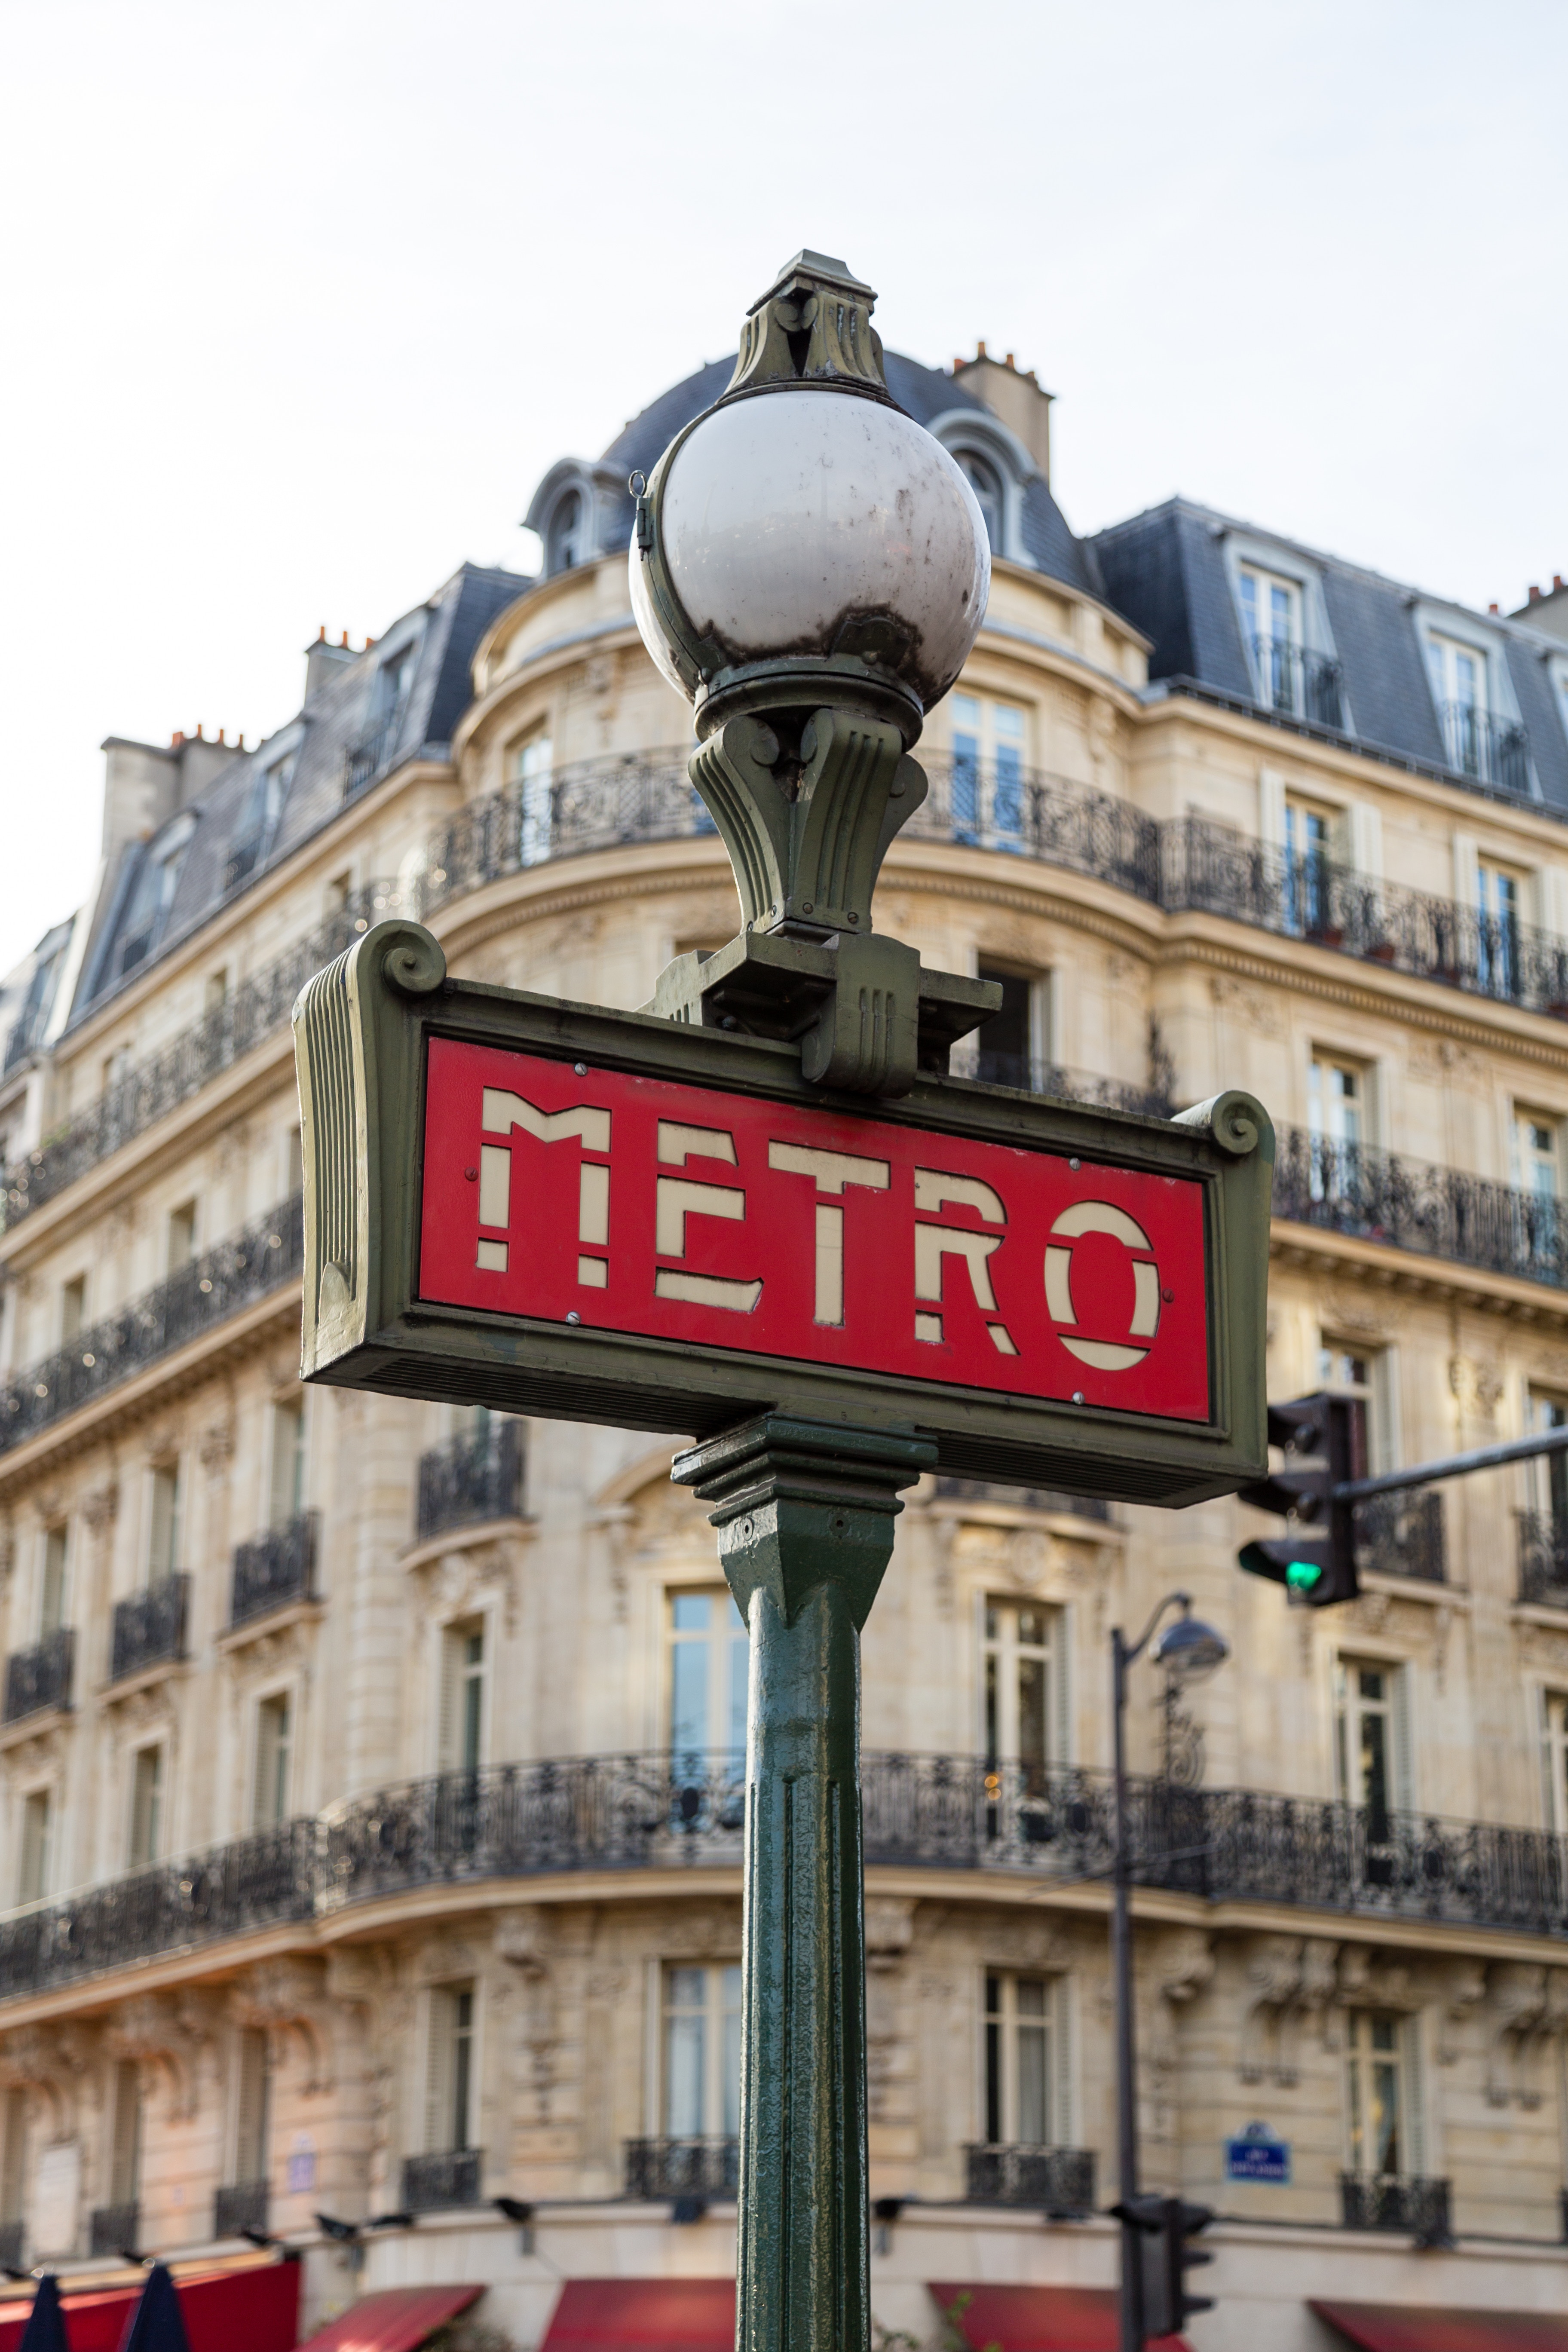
(1015, 397)
(1534, 593)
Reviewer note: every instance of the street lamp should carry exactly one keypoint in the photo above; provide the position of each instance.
(1188, 1650)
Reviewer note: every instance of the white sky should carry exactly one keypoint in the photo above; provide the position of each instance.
(300, 299)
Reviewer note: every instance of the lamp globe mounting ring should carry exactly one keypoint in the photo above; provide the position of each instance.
(1189, 1649)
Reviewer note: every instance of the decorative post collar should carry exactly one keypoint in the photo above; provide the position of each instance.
(812, 325)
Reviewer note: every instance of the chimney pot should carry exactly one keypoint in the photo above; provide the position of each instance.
(220, 734)
(321, 635)
(1534, 593)
(980, 347)
(200, 737)
(1009, 359)
(344, 639)
(1557, 583)
(1491, 608)
(176, 739)
(239, 743)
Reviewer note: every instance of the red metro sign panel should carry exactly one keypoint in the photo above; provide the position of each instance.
(606, 1200)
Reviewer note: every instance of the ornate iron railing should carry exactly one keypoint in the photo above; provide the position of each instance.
(1412, 2206)
(111, 2229)
(1058, 2182)
(41, 1676)
(1543, 1558)
(1478, 743)
(273, 1569)
(206, 1292)
(992, 804)
(1413, 1204)
(658, 1811)
(659, 2168)
(150, 1627)
(442, 2179)
(1293, 678)
(240, 2205)
(1402, 1534)
(470, 1479)
(1035, 1077)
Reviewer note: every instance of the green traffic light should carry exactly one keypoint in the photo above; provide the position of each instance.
(1302, 1574)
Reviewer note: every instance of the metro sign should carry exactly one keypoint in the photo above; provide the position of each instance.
(563, 1211)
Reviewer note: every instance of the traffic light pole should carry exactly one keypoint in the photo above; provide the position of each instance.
(1455, 1466)
(1131, 2300)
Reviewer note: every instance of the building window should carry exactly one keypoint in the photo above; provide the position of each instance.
(1005, 1053)
(987, 742)
(1368, 1742)
(1548, 1473)
(73, 1309)
(37, 1839)
(1021, 2037)
(1374, 2095)
(125, 2140)
(252, 2102)
(1499, 899)
(274, 1751)
(1306, 845)
(449, 2083)
(1460, 686)
(285, 1497)
(1271, 623)
(462, 1696)
(116, 1065)
(14, 2155)
(180, 1247)
(565, 539)
(709, 1665)
(701, 2076)
(1554, 1759)
(164, 1524)
(1367, 1374)
(986, 484)
(146, 1806)
(52, 1579)
(1535, 1154)
(395, 679)
(1021, 1645)
(533, 764)
(1336, 1101)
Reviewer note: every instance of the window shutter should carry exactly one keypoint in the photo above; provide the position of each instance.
(13, 2155)
(1061, 1724)
(1413, 2121)
(250, 2106)
(1364, 839)
(1385, 1435)
(1467, 869)
(438, 2071)
(1551, 899)
(1403, 1741)
(125, 2154)
(450, 1714)
(1270, 806)
(1063, 2064)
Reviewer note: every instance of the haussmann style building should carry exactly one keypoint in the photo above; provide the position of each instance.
(370, 1783)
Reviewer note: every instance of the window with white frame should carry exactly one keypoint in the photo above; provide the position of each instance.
(709, 1663)
(252, 2104)
(36, 1845)
(73, 1309)
(1271, 624)
(1370, 1376)
(988, 741)
(13, 2154)
(395, 678)
(1500, 903)
(449, 2070)
(1306, 845)
(1536, 1153)
(533, 764)
(125, 2134)
(1548, 1473)
(1554, 1761)
(565, 537)
(462, 1725)
(986, 484)
(1337, 1107)
(285, 1483)
(1023, 1665)
(1369, 1740)
(165, 1517)
(1376, 2095)
(1459, 689)
(1023, 2088)
(700, 2088)
(146, 1839)
(52, 1567)
(271, 1786)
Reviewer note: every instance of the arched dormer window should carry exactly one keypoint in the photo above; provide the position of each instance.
(563, 539)
(998, 469)
(986, 483)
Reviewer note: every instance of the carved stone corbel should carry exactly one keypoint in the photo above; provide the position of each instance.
(280, 1998)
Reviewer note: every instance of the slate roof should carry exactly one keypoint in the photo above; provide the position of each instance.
(1166, 570)
(342, 719)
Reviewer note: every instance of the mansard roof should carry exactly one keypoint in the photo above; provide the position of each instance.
(1171, 570)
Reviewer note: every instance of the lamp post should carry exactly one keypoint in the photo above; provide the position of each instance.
(1187, 1649)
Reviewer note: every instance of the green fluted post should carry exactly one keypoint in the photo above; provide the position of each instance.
(805, 1512)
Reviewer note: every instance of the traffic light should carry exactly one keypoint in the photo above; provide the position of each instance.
(1162, 2227)
(1323, 1441)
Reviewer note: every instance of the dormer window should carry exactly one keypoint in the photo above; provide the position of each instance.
(1289, 674)
(563, 539)
(396, 677)
(986, 484)
(1459, 684)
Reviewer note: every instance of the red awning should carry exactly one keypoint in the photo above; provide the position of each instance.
(644, 2315)
(1040, 2319)
(396, 2320)
(1407, 2328)
(256, 2309)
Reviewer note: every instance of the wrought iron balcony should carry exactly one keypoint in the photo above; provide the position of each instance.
(471, 1479)
(273, 1569)
(975, 1060)
(660, 2169)
(1543, 1558)
(41, 1676)
(449, 2176)
(150, 1627)
(1295, 679)
(11, 2234)
(1058, 2182)
(993, 804)
(1402, 1534)
(112, 2228)
(1414, 2208)
(240, 2205)
(1478, 743)
(1413, 1204)
(203, 1293)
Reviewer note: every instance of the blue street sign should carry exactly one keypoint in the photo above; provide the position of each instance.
(1257, 2155)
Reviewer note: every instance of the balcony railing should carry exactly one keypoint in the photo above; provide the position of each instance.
(971, 1060)
(112, 2228)
(1543, 1558)
(471, 1479)
(1293, 678)
(1402, 1534)
(241, 2205)
(41, 1676)
(273, 1569)
(1478, 743)
(660, 2169)
(435, 2182)
(1054, 1825)
(1413, 1204)
(1058, 2182)
(150, 1627)
(1414, 2208)
(994, 806)
(205, 1293)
